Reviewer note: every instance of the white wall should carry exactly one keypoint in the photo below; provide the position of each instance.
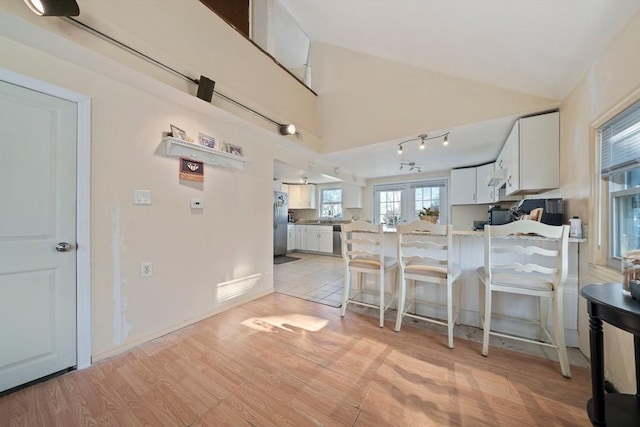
(614, 77)
(190, 38)
(353, 88)
(203, 261)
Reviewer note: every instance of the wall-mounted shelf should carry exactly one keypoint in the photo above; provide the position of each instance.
(179, 148)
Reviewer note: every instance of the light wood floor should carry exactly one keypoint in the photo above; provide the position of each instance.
(303, 365)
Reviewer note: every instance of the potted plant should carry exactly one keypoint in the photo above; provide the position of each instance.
(429, 214)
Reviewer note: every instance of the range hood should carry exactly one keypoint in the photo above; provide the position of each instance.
(497, 178)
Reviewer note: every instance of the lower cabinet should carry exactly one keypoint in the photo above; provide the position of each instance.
(314, 238)
(301, 237)
(291, 238)
(319, 238)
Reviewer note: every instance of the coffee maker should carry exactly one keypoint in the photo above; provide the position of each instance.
(552, 210)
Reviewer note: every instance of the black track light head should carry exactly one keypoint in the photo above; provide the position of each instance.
(54, 7)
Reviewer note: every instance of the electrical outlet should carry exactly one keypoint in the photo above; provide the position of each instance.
(146, 269)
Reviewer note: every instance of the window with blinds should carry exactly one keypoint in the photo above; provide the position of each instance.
(619, 140)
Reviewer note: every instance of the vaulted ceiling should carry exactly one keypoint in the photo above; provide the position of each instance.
(538, 47)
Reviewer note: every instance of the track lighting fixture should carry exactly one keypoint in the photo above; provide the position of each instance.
(206, 86)
(412, 167)
(54, 7)
(304, 180)
(287, 129)
(424, 138)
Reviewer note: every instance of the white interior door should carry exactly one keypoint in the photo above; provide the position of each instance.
(38, 137)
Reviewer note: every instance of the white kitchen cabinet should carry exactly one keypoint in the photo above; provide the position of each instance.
(319, 238)
(463, 186)
(302, 196)
(294, 196)
(351, 196)
(301, 237)
(325, 238)
(511, 159)
(533, 150)
(484, 193)
(469, 185)
(284, 188)
(499, 192)
(291, 237)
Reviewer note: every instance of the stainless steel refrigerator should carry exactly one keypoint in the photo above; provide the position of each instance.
(280, 221)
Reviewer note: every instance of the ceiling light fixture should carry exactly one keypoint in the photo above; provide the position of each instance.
(53, 7)
(412, 167)
(206, 86)
(287, 129)
(424, 138)
(304, 180)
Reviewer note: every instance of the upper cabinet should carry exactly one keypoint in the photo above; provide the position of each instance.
(532, 155)
(484, 193)
(463, 186)
(302, 196)
(351, 196)
(529, 163)
(469, 185)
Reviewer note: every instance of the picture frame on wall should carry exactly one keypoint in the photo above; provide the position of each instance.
(178, 133)
(191, 170)
(206, 140)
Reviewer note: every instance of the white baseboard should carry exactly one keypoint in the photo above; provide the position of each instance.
(220, 309)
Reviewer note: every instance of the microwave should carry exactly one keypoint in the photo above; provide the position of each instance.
(499, 216)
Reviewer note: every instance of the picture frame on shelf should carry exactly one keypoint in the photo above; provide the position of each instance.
(178, 133)
(233, 149)
(206, 140)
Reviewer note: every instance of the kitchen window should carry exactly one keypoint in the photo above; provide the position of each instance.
(619, 141)
(400, 203)
(331, 203)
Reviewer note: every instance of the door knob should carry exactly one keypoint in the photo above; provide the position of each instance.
(63, 247)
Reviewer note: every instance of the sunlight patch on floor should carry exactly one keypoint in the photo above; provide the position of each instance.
(272, 323)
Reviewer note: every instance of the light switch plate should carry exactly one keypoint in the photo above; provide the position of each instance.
(197, 204)
(141, 197)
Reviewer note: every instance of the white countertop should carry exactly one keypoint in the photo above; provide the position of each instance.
(480, 234)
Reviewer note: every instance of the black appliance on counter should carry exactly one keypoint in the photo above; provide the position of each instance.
(499, 215)
(552, 209)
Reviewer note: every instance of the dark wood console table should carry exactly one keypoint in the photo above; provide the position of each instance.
(607, 303)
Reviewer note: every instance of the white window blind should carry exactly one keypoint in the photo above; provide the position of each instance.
(620, 142)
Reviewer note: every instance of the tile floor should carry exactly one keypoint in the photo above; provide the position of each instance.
(315, 278)
(319, 278)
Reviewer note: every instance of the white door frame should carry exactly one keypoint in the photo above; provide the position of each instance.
(83, 257)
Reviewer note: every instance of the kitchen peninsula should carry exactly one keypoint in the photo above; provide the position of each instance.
(468, 253)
